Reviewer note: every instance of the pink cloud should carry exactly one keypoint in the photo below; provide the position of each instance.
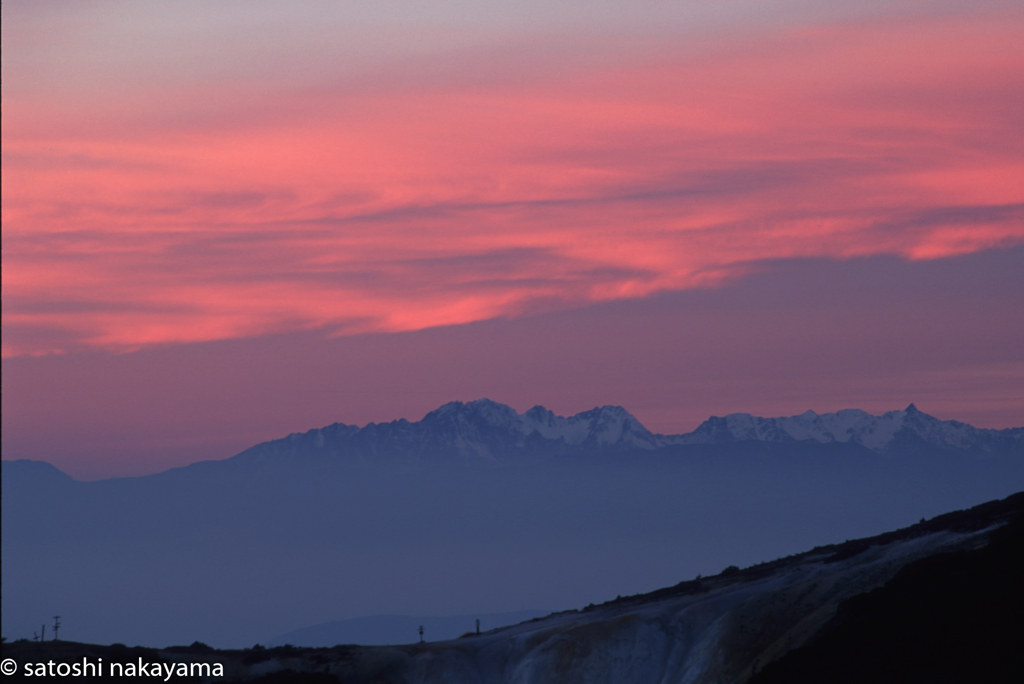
(400, 202)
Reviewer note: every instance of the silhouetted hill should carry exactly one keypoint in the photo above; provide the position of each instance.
(951, 617)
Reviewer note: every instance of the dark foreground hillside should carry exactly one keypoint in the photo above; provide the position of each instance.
(941, 601)
(953, 617)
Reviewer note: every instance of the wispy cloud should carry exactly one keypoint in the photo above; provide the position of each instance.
(466, 185)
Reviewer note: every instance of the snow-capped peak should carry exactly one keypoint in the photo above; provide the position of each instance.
(878, 433)
(488, 429)
(603, 426)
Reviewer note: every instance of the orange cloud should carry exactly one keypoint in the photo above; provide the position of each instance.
(429, 195)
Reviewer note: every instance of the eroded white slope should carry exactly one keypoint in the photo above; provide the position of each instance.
(696, 639)
(720, 629)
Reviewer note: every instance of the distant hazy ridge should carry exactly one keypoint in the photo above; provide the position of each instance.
(475, 509)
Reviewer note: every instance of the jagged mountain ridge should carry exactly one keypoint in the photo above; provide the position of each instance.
(883, 434)
(488, 429)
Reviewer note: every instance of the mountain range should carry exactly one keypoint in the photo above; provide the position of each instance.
(474, 510)
(487, 429)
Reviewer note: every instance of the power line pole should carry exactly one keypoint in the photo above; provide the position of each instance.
(421, 634)
(56, 626)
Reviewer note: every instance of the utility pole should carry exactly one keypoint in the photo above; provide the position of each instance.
(421, 634)
(56, 626)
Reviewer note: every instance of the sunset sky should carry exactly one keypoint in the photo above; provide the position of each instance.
(228, 221)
